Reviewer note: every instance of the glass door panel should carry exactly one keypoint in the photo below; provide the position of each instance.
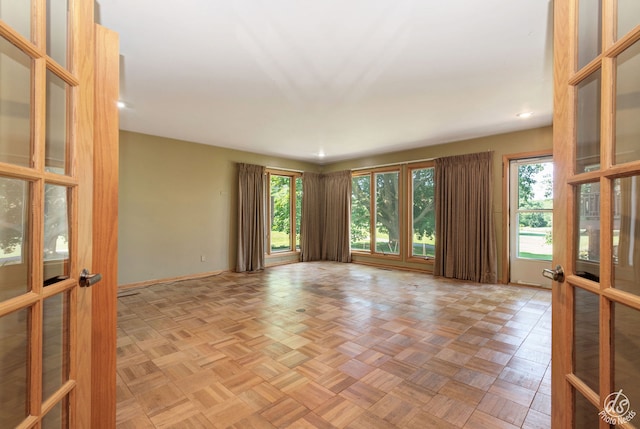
(587, 233)
(56, 124)
(58, 416)
(57, 30)
(589, 30)
(17, 14)
(360, 212)
(588, 124)
(55, 343)
(585, 414)
(14, 235)
(14, 370)
(628, 16)
(56, 233)
(15, 102)
(586, 334)
(626, 342)
(628, 105)
(626, 234)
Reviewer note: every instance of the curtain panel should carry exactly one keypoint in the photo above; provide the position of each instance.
(312, 225)
(251, 232)
(465, 228)
(326, 217)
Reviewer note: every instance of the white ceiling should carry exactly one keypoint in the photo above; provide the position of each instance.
(343, 78)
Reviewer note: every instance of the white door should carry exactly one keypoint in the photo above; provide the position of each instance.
(530, 220)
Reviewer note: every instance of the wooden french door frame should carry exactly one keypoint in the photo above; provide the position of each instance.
(90, 179)
(569, 388)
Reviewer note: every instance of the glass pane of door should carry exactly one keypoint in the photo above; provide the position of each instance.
(628, 105)
(589, 30)
(15, 104)
(56, 233)
(57, 30)
(14, 235)
(55, 343)
(626, 234)
(586, 321)
(280, 213)
(17, 14)
(626, 340)
(587, 232)
(628, 16)
(56, 124)
(14, 353)
(588, 124)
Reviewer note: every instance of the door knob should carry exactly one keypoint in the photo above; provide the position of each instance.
(88, 280)
(556, 275)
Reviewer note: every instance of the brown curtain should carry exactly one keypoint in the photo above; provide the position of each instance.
(312, 225)
(250, 218)
(465, 229)
(337, 217)
(326, 217)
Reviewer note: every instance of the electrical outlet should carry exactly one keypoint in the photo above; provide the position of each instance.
(202, 258)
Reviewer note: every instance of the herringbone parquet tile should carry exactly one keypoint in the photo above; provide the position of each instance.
(328, 345)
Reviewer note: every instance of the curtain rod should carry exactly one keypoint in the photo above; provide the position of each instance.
(393, 164)
(284, 169)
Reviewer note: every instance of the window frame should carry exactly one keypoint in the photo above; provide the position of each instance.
(293, 243)
(409, 218)
(400, 256)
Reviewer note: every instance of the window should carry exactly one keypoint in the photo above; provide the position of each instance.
(284, 211)
(423, 215)
(361, 212)
(387, 234)
(534, 209)
(375, 222)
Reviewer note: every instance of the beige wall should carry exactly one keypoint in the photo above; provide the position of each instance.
(178, 199)
(177, 202)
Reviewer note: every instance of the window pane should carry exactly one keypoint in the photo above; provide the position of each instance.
(423, 216)
(626, 340)
(298, 209)
(589, 28)
(55, 343)
(588, 231)
(588, 124)
(56, 233)
(17, 14)
(280, 213)
(626, 234)
(57, 30)
(628, 105)
(14, 246)
(534, 235)
(14, 330)
(387, 216)
(56, 124)
(586, 334)
(15, 105)
(628, 16)
(361, 213)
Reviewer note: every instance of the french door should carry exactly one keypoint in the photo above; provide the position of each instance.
(46, 138)
(596, 244)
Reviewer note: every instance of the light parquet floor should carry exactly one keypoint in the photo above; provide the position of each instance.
(329, 345)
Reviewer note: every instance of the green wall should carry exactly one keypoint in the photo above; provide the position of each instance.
(177, 200)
